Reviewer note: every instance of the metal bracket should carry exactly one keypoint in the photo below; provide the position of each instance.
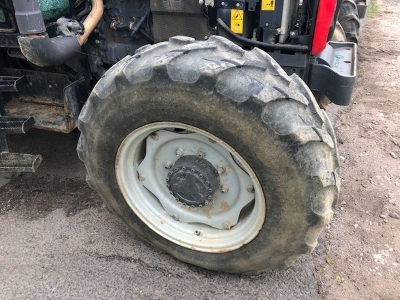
(333, 72)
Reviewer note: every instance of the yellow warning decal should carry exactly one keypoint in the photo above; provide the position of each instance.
(237, 20)
(268, 4)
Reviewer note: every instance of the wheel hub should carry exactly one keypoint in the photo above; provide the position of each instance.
(193, 180)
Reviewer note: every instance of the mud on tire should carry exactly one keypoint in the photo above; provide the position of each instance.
(266, 127)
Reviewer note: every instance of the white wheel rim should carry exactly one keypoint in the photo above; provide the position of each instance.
(216, 227)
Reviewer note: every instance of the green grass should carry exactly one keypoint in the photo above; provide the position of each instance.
(339, 279)
(373, 9)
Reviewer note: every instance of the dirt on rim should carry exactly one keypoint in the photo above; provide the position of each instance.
(359, 252)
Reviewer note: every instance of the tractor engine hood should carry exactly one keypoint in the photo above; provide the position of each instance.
(34, 41)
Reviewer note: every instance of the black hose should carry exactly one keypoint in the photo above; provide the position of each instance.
(139, 23)
(147, 35)
(84, 12)
(262, 45)
(72, 11)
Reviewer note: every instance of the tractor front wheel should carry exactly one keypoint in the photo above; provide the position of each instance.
(211, 154)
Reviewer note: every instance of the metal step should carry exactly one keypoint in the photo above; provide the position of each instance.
(13, 125)
(50, 98)
(16, 162)
(10, 83)
(19, 162)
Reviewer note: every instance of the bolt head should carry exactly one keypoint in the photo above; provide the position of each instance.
(201, 153)
(227, 225)
(224, 188)
(221, 169)
(141, 177)
(168, 165)
(250, 188)
(179, 152)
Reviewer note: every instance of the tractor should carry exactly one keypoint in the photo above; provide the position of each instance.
(202, 122)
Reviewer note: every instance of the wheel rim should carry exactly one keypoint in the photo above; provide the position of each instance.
(154, 160)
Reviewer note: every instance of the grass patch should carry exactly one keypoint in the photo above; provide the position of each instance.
(329, 236)
(373, 9)
(360, 72)
(339, 279)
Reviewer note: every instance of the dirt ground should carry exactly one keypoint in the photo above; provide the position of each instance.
(359, 254)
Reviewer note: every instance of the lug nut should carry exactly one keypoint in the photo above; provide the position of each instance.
(250, 188)
(224, 188)
(227, 225)
(154, 136)
(221, 169)
(201, 153)
(179, 152)
(168, 164)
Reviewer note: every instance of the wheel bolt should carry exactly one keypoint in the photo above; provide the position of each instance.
(224, 188)
(168, 164)
(227, 225)
(221, 169)
(201, 153)
(179, 152)
(250, 188)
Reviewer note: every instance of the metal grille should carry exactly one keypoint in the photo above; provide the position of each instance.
(177, 17)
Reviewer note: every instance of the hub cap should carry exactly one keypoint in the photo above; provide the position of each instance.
(193, 180)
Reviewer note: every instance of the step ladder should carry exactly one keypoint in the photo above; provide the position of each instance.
(14, 162)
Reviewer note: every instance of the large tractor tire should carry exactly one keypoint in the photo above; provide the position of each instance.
(212, 154)
(349, 20)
